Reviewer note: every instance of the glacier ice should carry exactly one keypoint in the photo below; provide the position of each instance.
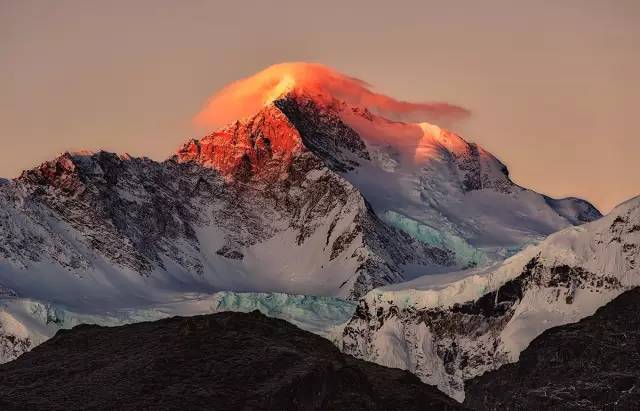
(466, 255)
(25, 323)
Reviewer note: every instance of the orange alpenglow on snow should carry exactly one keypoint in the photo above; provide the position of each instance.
(258, 135)
(245, 97)
(246, 146)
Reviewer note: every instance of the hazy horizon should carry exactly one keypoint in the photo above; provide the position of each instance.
(551, 86)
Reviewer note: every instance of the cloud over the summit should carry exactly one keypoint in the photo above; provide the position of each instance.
(245, 97)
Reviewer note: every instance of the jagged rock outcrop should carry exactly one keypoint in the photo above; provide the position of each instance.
(589, 365)
(129, 210)
(263, 146)
(576, 210)
(226, 361)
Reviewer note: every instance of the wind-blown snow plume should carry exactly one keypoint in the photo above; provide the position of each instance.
(245, 97)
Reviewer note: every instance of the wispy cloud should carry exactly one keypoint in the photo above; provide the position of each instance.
(245, 97)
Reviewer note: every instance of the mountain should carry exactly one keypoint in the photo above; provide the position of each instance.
(226, 361)
(450, 328)
(120, 230)
(589, 365)
(354, 214)
(104, 226)
(311, 193)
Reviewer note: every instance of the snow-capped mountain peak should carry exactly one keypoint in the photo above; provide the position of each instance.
(384, 201)
(309, 186)
(265, 140)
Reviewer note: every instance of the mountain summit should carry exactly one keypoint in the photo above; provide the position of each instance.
(315, 192)
(417, 176)
(245, 97)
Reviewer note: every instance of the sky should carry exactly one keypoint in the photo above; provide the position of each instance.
(552, 86)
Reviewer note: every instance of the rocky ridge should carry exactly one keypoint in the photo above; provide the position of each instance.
(226, 361)
(589, 365)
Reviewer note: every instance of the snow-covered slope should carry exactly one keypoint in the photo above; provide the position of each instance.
(589, 365)
(453, 327)
(434, 178)
(429, 182)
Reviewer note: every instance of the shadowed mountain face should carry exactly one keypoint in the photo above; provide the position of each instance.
(226, 361)
(590, 365)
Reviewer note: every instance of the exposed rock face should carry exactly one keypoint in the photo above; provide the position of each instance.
(574, 209)
(264, 145)
(12, 346)
(447, 345)
(323, 131)
(130, 210)
(448, 334)
(590, 365)
(476, 170)
(227, 361)
(306, 139)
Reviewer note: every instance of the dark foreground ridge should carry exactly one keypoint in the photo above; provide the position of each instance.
(226, 361)
(590, 365)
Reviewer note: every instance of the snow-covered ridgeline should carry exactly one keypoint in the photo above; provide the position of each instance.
(452, 327)
(26, 323)
(434, 184)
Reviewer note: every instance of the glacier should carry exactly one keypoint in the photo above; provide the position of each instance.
(26, 323)
(466, 255)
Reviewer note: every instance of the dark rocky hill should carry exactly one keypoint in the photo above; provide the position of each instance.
(226, 361)
(590, 365)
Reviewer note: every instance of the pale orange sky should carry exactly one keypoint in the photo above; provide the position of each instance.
(552, 85)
